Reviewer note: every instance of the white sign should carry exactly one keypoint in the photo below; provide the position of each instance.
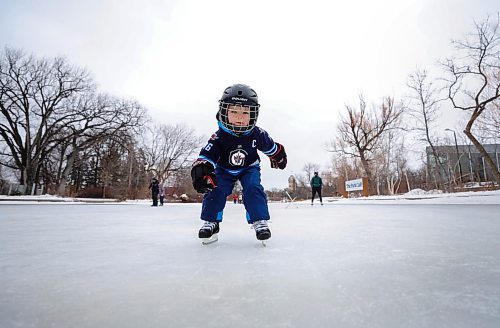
(353, 185)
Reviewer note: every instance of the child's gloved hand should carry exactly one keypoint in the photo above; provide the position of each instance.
(278, 160)
(203, 176)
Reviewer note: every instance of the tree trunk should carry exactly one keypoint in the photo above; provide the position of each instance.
(485, 155)
(130, 160)
(61, 189)
(407, 181)
(378, 185)
(368, 173)
(440, 169)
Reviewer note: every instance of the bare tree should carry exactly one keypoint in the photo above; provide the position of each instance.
(170, 148)
(360, 129)
(424, 109)
(392, 162)
(474, 77)
(34, 94)
(98, 117)
(50, 112)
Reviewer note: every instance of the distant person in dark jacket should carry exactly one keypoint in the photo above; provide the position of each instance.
(316, 185)
(155, 189)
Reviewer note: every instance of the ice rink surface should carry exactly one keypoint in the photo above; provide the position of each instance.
(340, 265)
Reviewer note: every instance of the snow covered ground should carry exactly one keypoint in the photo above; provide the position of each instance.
(406, 261)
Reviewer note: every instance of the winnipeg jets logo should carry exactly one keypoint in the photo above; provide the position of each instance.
(237, 157)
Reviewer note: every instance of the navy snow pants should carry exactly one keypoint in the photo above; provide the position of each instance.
(254, 197)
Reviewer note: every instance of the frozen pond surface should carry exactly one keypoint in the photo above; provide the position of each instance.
(340, 265)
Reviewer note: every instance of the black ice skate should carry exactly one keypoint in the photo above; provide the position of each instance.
(261, 230)
(209, 232)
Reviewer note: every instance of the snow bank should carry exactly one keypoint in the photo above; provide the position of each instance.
(420, 192)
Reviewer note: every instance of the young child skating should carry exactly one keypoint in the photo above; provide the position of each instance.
(231, 155)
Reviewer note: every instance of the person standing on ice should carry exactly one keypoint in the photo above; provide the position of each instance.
(231, 155)
(316, 185)
(154, 191)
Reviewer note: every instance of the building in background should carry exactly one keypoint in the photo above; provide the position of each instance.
(464, 162)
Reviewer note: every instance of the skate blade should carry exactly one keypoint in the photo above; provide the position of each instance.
(210, 240)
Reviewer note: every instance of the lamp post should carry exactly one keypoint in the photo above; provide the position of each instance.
(458, 155)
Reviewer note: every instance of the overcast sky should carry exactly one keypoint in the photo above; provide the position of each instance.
(305, 59)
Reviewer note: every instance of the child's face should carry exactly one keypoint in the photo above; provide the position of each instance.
(238, 115)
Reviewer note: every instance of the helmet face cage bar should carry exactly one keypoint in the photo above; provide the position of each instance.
(237, 129)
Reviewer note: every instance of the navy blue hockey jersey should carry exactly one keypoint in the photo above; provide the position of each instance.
(234, 153)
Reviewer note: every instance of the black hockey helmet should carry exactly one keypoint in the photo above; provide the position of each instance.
(242, 95)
